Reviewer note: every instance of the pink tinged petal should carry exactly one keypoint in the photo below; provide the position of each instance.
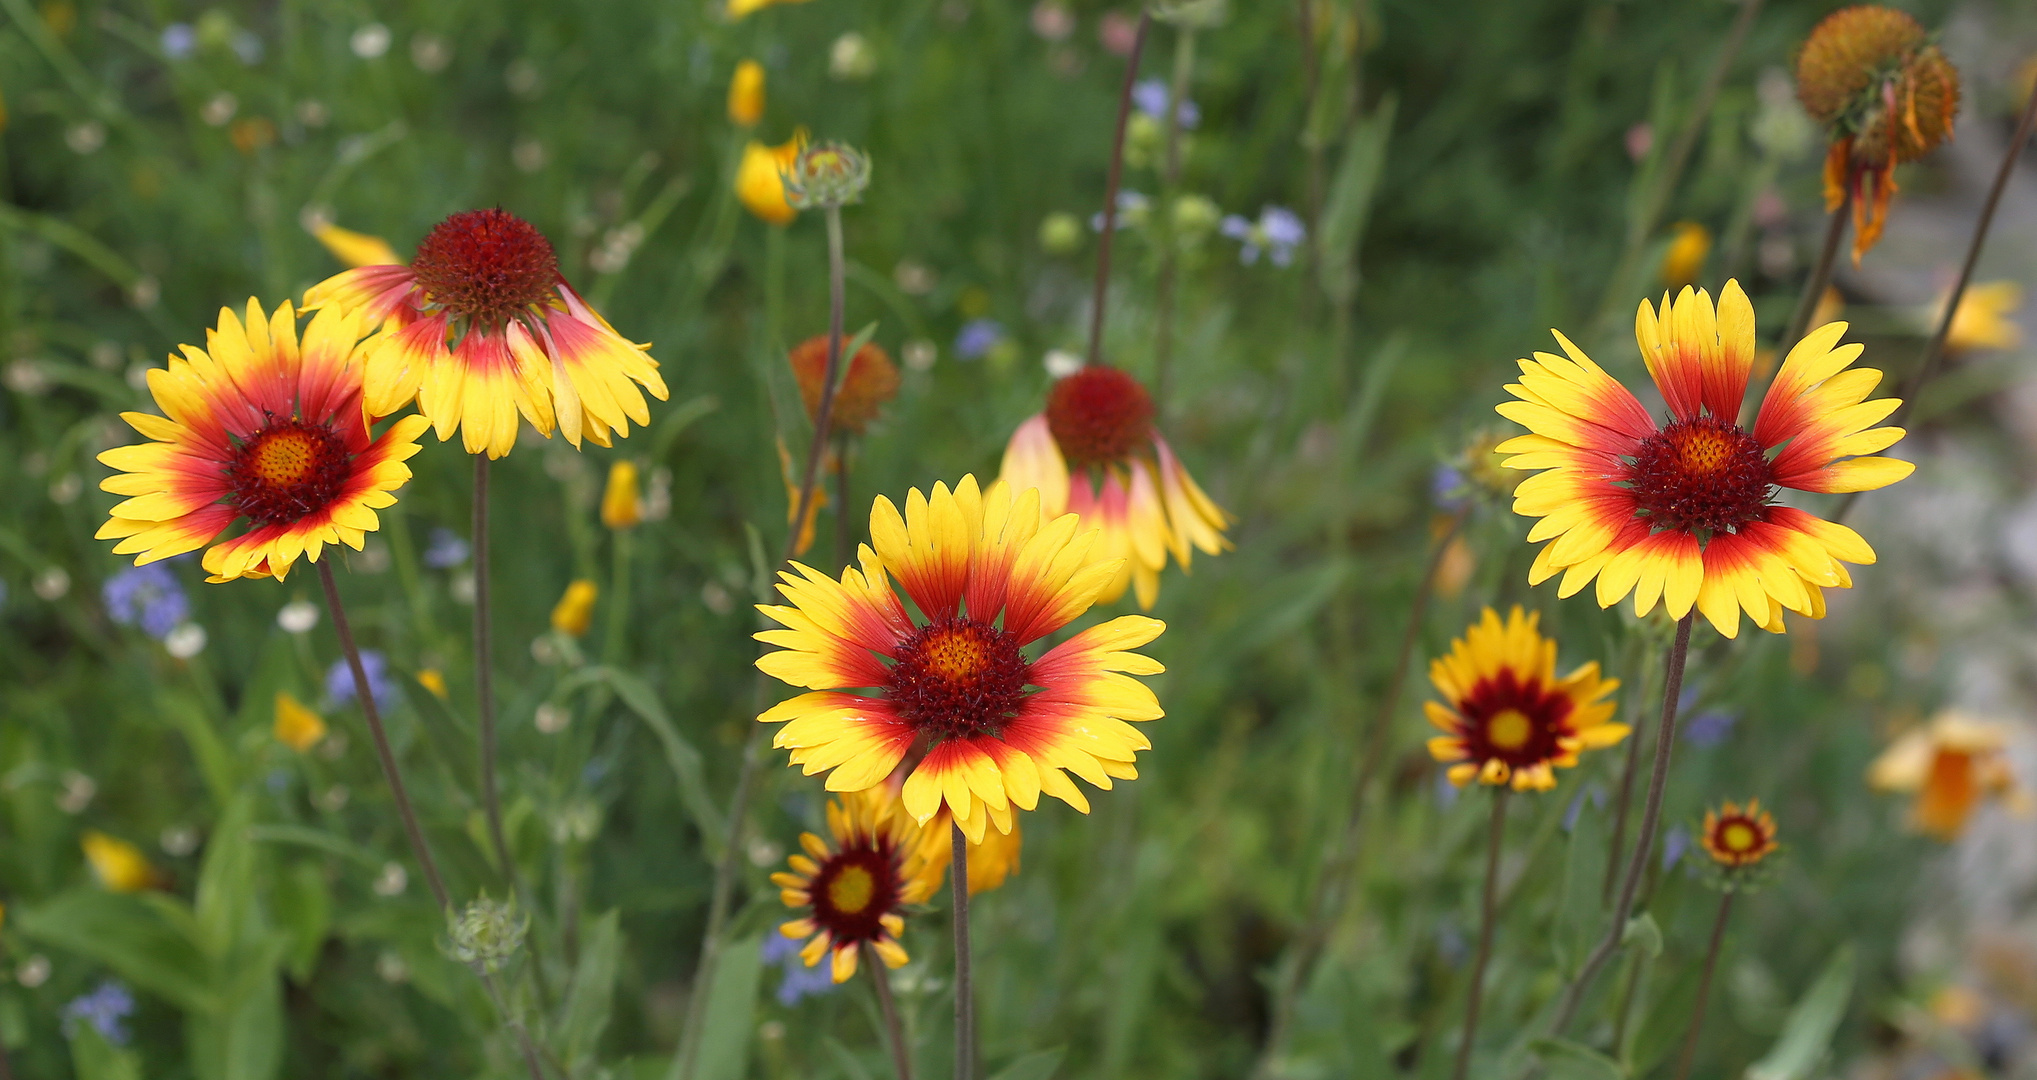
(1032, 459)
(398, 364)
(375, 291)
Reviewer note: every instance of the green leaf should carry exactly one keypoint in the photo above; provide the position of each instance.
(216, 763)
(304, 905)
(1582, 902)
(1349, 204)
(731, 1011)
(317, 839)
(224, 901)
(680, 753)
(1566, 1060)
(589, 1001)
(1807, 1034)
(129, 935)
(1038, 1065)
(96, 1059)
(1642, 933)
(244, 1041)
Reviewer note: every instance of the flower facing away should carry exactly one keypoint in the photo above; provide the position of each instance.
(1737, 838)
(991, 859)
(574, 613)
(1889, 95)
(990, 574)
(760, 178)
(1951, 765)
(118, 865)
(1685, 512)
(739, 8)
(297, 727)
(1505, 715)
(1982, 321)
(1095, 452)
(746, 94)
(869, 380)
(1684, 259)
(480, 327)
(622, 501)
(261, 430)
(852, 892)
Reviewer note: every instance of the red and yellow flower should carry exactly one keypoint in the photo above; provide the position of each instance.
(261, 429)
(480, 327)
(853, 892)
(991, 859)
(1685, 512)
(1095, 452)
(1952, 765)
(1736, 838)
(1506, 717)
(989, 575)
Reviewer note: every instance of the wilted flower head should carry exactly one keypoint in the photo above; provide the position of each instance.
(1889, 95)
(487, 933)
(869, 379)
(148, 597)
(1278, 232)
(827, 173)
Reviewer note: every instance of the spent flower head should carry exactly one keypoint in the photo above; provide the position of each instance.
(487, 933)
(827, 173)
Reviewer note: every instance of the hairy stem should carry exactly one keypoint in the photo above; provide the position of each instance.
(1110, 191)
(1486, 917)
(894, 1032)
(965, 989)
(1697, 1014)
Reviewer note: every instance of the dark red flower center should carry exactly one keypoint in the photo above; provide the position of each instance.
(853, 892)
(286, 471)
(958, 678)
(486, 265)
(1099, 415)
(1513, 721)
(1702, 474)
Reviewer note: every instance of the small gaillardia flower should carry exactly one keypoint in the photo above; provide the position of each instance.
(760, 178)
(480, 327)
(746, 94)
(869, 379)
(1095, 452)
(1685, 513)
(262, 430)
(989, 574)
(1951, 765)
(1873, 75)
(1506, 717)
(1737, 838)
(853, 892)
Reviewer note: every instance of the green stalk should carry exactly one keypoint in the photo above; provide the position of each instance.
(1486, 918)
(1697, 1015)
(965, 987)
(1101, 294)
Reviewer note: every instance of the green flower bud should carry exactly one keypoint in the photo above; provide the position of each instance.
(1195, 218)
(827, 174)
(487, 933)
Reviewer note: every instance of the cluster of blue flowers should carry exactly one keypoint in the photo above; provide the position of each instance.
(148, 597)
(106, 1008)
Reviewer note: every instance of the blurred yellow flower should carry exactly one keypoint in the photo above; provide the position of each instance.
(759, 180)
(297, 727)
(1831, 305)
(119, 865)
(1685, 259)
(739, 8)
(1951, 765)
(746, 94)
(792, 482)
(574, 612)
(434, 680)
(1982, 321)
(354, 248)
(622, 503)
(991, 859)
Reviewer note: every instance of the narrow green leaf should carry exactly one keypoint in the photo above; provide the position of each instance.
(589, 1001)
(1566, 1060)
(1038, 1065)
(1349, 204)
(731, 1012)
(303, 904)
(129, 936)
(1581, 905)
(96, 1059)
(680, 753)
(1807, 1034)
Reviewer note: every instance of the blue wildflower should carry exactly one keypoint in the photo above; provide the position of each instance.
(1151, 95)
(1277, 233)
(179, 40)
(799, 981)
(446, 550)
(1710, 728)
(148, 597)
(1132, 210)
(339, 680)
(106, 1009)
(978, 337)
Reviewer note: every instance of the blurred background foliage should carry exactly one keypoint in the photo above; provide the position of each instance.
(1475, 171)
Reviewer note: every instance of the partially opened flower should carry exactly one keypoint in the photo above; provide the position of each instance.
(989, 575)
(1684, 259)
(573, 615)
(262, 431)
(1952, 765)
(1738, 838)
(1889, 95)
(760, 178)
(480, 327)
(1095, 452)
(853, 892)
(746, 94)
(1685, 512)
(1506, 717)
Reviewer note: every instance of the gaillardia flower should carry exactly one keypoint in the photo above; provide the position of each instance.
(257, 429)
(1737, 838)
(853, 891)
(991, 860)
(989, 575)
(868, 380)
(1952, 765)
(1507, 718)
(1685, 513)
(1889, 95)
(480, 326)
(1095, 452)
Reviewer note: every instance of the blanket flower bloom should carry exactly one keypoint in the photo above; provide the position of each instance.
(1506, 717)
(1737, 838)
(1685, 513)
(991, 860)
(853, 891)
(261, 429)
(480, 327)
(1952, 765)
(989, 574)
(1095, 452)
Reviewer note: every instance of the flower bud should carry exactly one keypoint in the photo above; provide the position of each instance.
(827, 174)
(622, 507)
(574, 612)
(746, 94)
(487, 933)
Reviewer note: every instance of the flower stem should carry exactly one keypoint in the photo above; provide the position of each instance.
(381, 737)
(1821, 276)
(894, 1032)
(845, 544)
(1697, 1015)
(965, 990)
(484, 677)
(1651, 816)
(1934, 352)
(1486, 917)
(524, 1046)
(1624, 801)
(1170, 251)
(1110, 190)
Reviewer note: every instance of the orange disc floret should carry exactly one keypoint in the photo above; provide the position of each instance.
(1736, 837)
(870, 381)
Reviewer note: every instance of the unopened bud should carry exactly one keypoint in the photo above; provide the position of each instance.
(827, 174)
(622, 506)
(487, 933)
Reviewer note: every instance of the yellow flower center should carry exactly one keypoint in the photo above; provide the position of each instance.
(286, 457)
(851, 890)
(1737, 837)
(1509, 729)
